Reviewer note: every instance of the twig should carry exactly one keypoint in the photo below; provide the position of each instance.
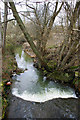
(76, 30)
(7, 21)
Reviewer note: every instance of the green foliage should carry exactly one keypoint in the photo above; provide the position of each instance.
(52, 64)
(8, 66)
(45, 72)
(0, 99)
(18, 49)
(53, 46)
(76, 73)
(27, 57)
(76, 83)
(60, 76)
(74, 67)
(66, 74)
(5, 98)
(10, 48)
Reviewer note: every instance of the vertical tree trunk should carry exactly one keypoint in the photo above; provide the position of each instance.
(0, 67)
(79, 42)
(0, 30)
(5, 24)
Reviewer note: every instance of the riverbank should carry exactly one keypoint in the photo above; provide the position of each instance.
(0, 83)
(9, 67)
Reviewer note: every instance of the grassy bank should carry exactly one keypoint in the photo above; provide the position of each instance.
(8, 66)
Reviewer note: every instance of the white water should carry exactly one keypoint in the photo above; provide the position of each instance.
(32, 86)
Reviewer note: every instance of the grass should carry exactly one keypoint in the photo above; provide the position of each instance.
(52, 46)
(0, 101)
(7, 68)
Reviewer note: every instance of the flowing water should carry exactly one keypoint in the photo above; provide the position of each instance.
(31, 85)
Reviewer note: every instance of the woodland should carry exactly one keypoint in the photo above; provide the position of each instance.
(49, 31)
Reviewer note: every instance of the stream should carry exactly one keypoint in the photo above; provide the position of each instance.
(32, 86)
(35, 97)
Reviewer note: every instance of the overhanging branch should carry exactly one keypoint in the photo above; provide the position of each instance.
(8, 21)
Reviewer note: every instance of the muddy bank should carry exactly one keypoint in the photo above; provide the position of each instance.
(56, 108)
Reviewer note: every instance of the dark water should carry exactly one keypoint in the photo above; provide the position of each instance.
(56, 108)
(34, 97)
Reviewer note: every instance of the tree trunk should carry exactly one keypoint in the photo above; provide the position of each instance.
(47, 29)
(71, 50)
(0, 30)
(5, 24)
(79, 43)
(27, 36)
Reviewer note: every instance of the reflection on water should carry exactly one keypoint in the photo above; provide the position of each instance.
(32, 86)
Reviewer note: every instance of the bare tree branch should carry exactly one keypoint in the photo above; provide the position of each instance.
(30, 7)
(60, 8)
(70, 63)
(28, 18)
(8, 21)
(54, 16)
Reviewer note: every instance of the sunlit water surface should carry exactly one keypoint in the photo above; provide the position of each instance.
(33, 86)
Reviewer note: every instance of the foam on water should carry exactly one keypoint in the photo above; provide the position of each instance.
(32, 86)
(42, 97)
